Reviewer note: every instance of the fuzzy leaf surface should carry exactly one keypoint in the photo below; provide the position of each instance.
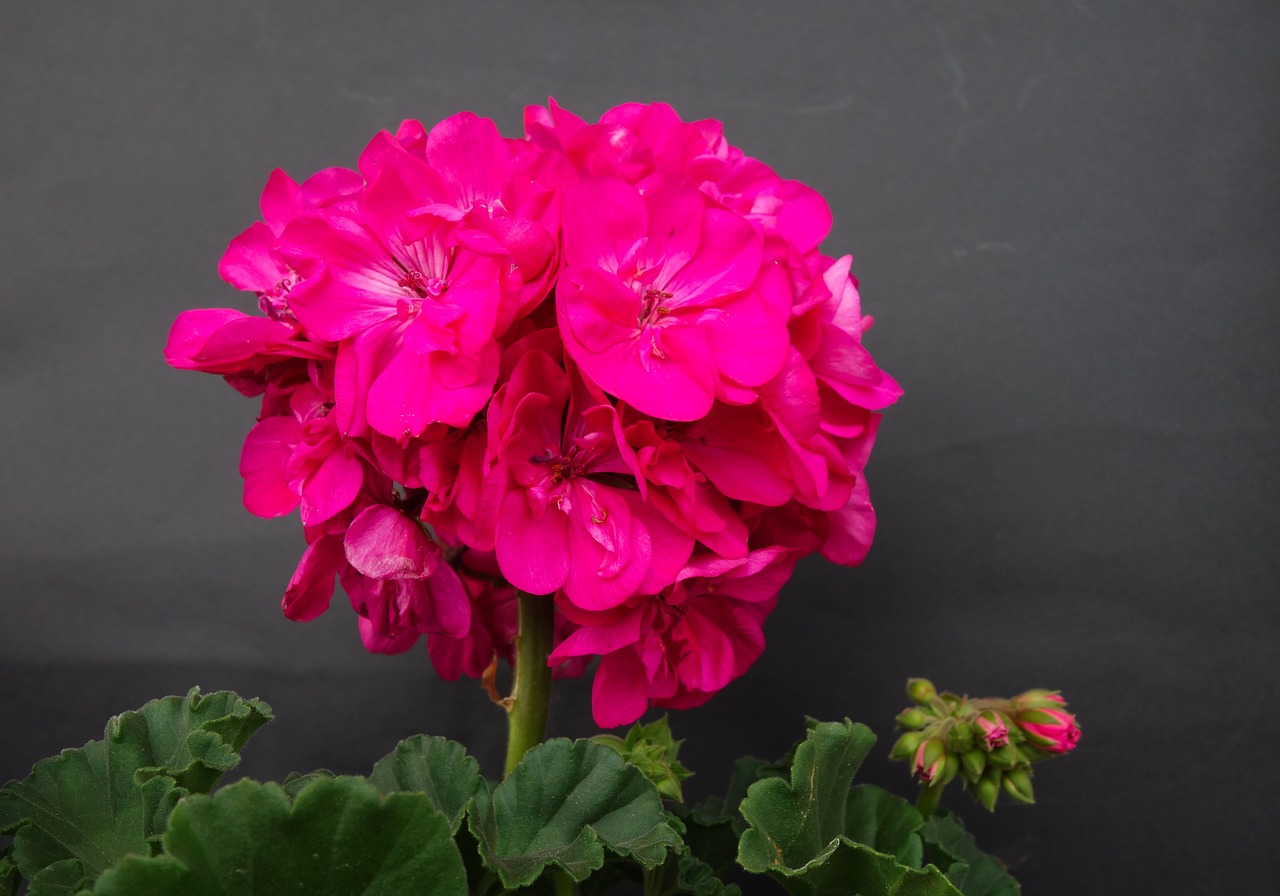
(111, 798)
(339, 837)
(434, 766)
(885, 822)
(974, 872)
(564, 804)
(797, 826)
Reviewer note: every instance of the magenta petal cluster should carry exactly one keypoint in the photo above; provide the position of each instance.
(603, 362)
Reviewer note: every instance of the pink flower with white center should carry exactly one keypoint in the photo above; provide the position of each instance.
(659, 303)
(1049, 729)
(573, 516)
(469, 172)
(679, 646)
(253, 262)
(414, 302)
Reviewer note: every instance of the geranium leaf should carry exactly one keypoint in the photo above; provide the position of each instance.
(886, 822)
(65, 878)
(111, 798)
(10, 879)
(564, 804)
(974, 872)
(434, 766)
(797, 825)
(294, 782)
(338, 837)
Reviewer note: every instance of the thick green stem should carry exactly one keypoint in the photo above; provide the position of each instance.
(531, 693)
(929, 797)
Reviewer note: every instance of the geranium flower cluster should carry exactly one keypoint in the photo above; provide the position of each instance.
(605, 362)
(990, 742)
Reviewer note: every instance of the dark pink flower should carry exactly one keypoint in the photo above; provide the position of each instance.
(573, 516)
(659, 302)
(678, 647)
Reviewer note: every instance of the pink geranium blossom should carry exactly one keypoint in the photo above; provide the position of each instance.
(570, 519)
(660, 300)
(679, 646)
(607, 362)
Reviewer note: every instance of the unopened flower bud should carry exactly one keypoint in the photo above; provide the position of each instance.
(1052, 730)
(960, 738)
(993, 730)
(912, 719)
(1037, 698)
(906, 746)
(931, 760)
(987, 790)
(1004, 757)
(920, 690)
(1017, 783)
(951, 767)
(974, 762)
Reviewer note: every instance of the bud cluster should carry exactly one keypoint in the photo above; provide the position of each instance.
(990, 742)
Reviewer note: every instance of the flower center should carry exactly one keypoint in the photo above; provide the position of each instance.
(274, 302)
(652, 307)
(415, 284)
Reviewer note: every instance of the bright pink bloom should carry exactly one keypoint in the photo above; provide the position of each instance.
(300, 458)
(414, 300)
(660, 303)
(507, 188)
(1051, 730)
(569, 519)
(678, 647)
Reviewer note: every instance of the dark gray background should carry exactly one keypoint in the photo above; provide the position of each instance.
(1063, 215)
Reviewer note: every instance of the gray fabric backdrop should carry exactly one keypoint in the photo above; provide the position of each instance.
(1063, 215)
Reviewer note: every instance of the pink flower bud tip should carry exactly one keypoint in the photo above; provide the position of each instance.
(994, 730)
(1050, 730)
(930, 761)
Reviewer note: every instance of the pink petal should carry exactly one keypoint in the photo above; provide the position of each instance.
(449, 602)
(620, 692)
(603, 219)
(387, 644)
(332, 487)
(533, 552)
(267, 450)
(383, 543)
(311, 587)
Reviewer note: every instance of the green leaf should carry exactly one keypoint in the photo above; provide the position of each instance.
(698, 878)
(110, 798)
(563, 805)
(10, 879)
(797, 826)
(885, 822)
(972, 871)
(439, 768)
(65, 878)
(294, 782)
(712, 839)
(338, 837)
